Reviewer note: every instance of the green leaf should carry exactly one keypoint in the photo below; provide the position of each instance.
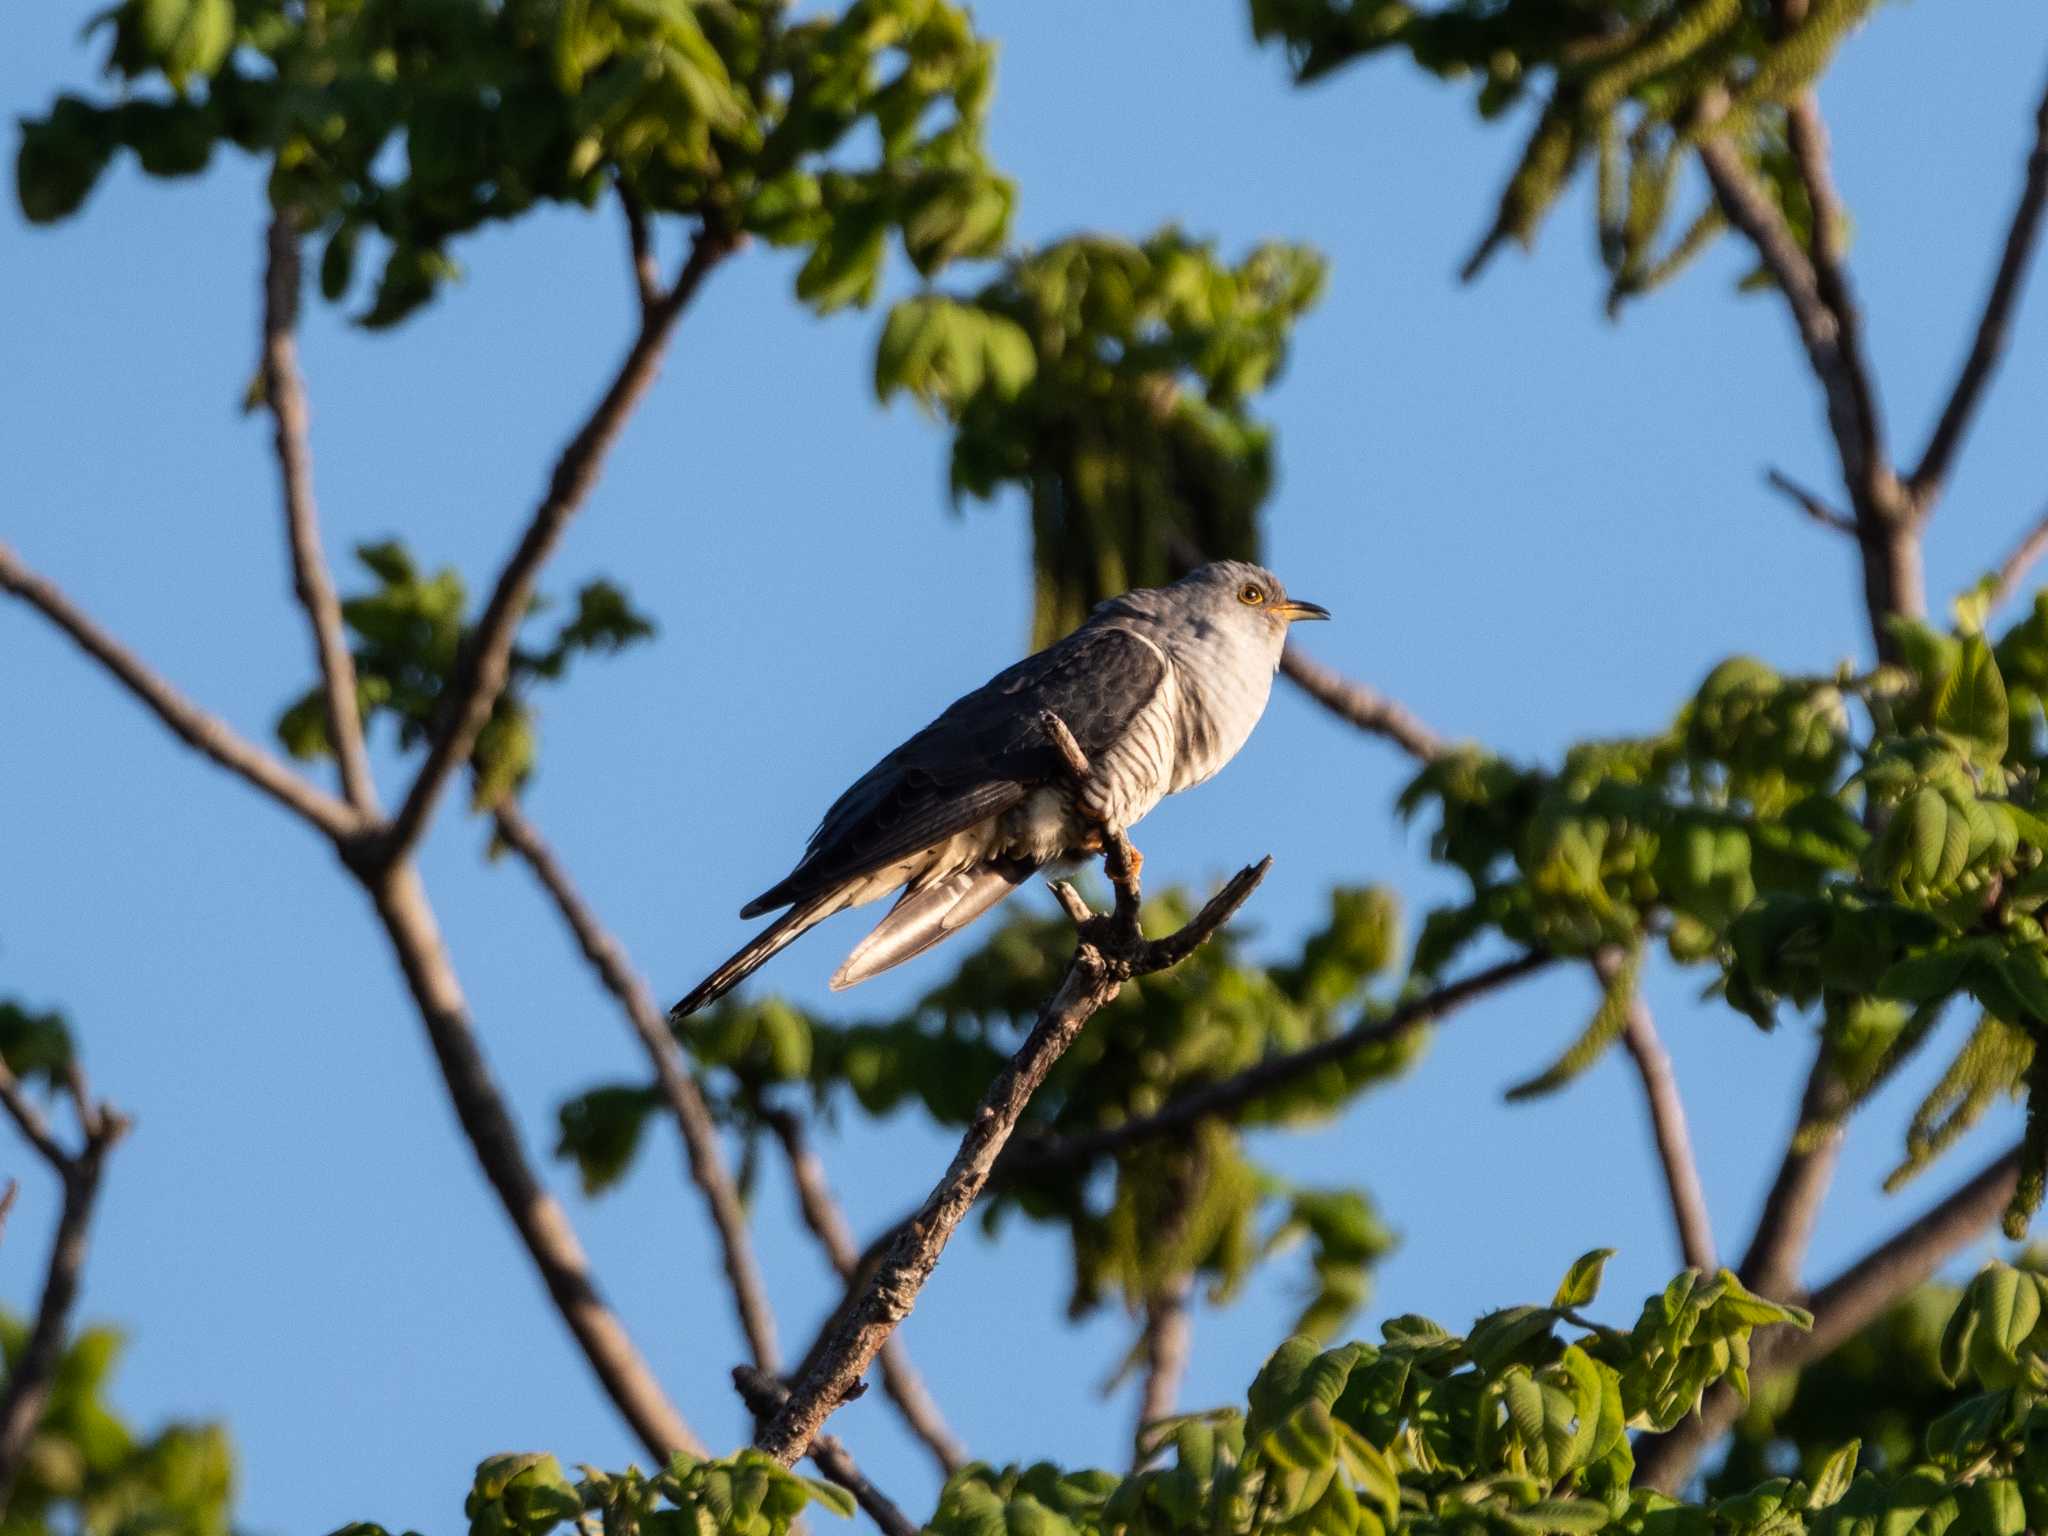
(1970, 705)
(1581, 1282)
(1834, 1477)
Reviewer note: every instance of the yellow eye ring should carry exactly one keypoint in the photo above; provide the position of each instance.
(1250, 593)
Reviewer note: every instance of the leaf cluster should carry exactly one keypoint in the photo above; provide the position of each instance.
(419, 123)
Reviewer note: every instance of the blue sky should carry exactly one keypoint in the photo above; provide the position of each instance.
(1532, 525)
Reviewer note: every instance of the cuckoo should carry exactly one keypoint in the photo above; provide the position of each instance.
(1159, 688)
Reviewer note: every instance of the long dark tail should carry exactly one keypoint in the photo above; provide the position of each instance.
(922, 918)
(756, 952)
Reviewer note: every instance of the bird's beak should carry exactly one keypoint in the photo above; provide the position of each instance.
(1293, 611)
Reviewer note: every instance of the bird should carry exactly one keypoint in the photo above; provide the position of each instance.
(1159, 689)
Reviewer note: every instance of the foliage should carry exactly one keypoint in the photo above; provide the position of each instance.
(1109, 381)
(409, 631)
(418, 123)
(35, 1046)
(1631, 86)
(87, 1472)
(1875, 873)
(1194, 1204)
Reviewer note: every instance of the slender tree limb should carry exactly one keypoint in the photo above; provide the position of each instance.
(7, 1199)
(764, 1396)
(1043, 1154)
(27, 1389)
(1168, 1342)
(704, 1159)
(1110, 951)
(1362, 705)
(1667, 1123)
(1810, 502)
(1846, 1304)
(827, 1222)
(1777, 1248)
(542, 1224)
(2013, 570)
(640, 247)
(1994, 326)
(284, 391)
(206, 734)
(482, 670)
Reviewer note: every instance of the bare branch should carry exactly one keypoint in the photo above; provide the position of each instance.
(1039, 1154)
(205, 733)
(1785, 1227)
(1362, 705)
(284, 390)
(1109, 953)
(1810, 502)
(1846, 1304)
(640, 246)
(2014, 569)
(822, 1214)
(27, 1390)
(764, 1395)
(1167, 1343)
(7, 1199)
(704, 1159)
(542, 1224)
(481, 672)
(1994, 326)
(1667, 1122)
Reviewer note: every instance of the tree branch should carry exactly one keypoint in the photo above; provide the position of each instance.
(1111, 950)
(27, 1390)
(764, 1395)
(1167, 1343)
(1044, 1154)
(704, 1159)
(1810, 502)
(1364, 706)
(284, 390)
(1667, 1122)
(2016, 565)
(1994, 326)
(640, 247)
(1841, 1308)
(822, 1214)
(481, 672)
(542, 1224)
(1785, 1227)
(205, 733)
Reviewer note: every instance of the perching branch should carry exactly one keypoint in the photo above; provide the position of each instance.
(1810, 502)
(207, 734)
(703, 1157)
(284, 391)
(764, 1395)
(1167, 1343)
(2014, 569)
(1846, 1304)
(27, 1390)
(1110, 950)
(1667, 1122)
(1038, 1154)
(481, 672)
(1361, 704)
(822, 1214)
(542, 1224)
(1994, 327)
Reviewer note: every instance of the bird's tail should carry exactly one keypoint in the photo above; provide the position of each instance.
(922, 917)
(757, 951)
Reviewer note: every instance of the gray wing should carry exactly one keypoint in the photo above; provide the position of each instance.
(979, 758)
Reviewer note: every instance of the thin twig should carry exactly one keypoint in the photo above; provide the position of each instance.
(1784, 1228)
(1169, 1328)
(1810, 502)
(640, 247)
(827, 1222)
(34, 1370)
(1110, 950)
(1994, 326)
(1841, 1308)
(704, 1159)
(764, 1395)
(2014, 569)
(1042, 1154)
(206, 733)
(1667, 1122)
(284, 390)
(482, 670)
(7, 1198)
(1362, 705)
(542, 1224)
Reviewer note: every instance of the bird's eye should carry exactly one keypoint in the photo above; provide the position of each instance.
(1251, 593)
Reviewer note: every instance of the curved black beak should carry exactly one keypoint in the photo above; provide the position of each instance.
(1293, 610)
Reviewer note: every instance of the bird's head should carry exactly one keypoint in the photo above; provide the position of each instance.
(1238, 597)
